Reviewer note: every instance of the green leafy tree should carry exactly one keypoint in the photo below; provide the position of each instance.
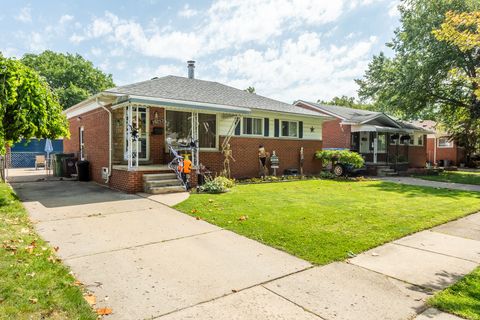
(350, 102)
(416, 82)
(28, 107)
(71, 76)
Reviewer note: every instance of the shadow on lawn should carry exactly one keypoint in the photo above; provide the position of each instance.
(421, 191)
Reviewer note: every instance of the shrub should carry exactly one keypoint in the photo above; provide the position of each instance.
(217, 185)
(344, 157)
(327, 175)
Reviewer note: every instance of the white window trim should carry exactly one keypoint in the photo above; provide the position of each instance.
(251, 134)
(147, 133)
(416, 140)
(217, 126)
(451, 144)
(281, 133)
(81, 142)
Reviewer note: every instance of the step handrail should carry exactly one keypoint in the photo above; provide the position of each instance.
(175, 163)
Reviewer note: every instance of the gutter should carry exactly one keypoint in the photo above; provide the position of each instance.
(109, 140)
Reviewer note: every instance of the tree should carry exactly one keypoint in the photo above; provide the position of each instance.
(350, 102)
(250, 89)
(72, 77)
(28, 107)
(463, 31)
(417, 82)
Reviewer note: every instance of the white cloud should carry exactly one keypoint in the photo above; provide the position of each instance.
(65, 18)
(36, 41)
(393, 9)
(96, 51)
(299, 68)
(228, 24)
(25, 15)
(145, 72)
(187, 12)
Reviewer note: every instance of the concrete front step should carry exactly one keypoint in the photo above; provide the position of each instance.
(162, 183)
(167, 189)
(159, 176)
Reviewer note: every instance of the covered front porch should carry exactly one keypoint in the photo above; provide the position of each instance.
(148, 136)
(387, 147)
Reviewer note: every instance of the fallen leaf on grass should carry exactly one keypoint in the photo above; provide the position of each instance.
(243, 218)
(194, 211)
(104, 311)
(90, 298)
(31, 274)
(77, 283)
(25, 230)
(33, 300)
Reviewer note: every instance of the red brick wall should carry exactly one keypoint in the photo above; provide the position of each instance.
(335, 135)
(455, 154)
(128, 181)
(245, 152)
(95, 124)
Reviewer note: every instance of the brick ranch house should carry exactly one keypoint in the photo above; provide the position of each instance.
(441, 150)
(177, 108)
(387, 144)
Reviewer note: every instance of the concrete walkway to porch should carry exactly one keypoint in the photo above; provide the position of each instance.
(146, 260)
(428, 183)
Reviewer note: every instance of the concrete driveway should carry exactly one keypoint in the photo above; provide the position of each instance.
(144, 259)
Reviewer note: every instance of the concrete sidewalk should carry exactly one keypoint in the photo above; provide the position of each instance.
(429, 183)
(146, 260)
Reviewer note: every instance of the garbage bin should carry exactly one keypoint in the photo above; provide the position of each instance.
(58, 163)
(83, 170)
(69, 166)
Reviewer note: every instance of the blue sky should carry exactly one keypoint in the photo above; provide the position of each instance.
(288, 50)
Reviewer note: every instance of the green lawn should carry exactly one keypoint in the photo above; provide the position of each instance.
(455, 176)
(325, 220)
(463, 298)
(33, 283)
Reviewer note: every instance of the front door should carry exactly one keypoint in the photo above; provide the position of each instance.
(142, 117)
(364, 142)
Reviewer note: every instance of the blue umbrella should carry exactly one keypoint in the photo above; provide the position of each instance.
(48, 149)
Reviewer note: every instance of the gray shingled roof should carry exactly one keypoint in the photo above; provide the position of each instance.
(195, 90)
(350, 114)
(359, 115)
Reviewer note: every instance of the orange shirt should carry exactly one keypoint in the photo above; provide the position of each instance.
(187, 166)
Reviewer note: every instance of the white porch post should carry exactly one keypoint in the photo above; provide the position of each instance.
(137, 140)
(129, 137)
(375, 147)
(195, 151)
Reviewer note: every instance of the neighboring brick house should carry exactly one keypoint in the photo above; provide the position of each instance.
(382, 140)
(441, 150)
(178, 109)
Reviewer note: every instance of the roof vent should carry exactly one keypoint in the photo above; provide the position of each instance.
(154, 78)
(191, 69)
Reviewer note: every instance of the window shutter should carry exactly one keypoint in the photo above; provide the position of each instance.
(237, 128)
(300, 129)
(276, 129)
(266, 127)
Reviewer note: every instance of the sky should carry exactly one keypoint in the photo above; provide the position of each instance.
(286, 49)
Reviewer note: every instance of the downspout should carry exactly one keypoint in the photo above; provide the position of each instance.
(109, 141)
(435, 151)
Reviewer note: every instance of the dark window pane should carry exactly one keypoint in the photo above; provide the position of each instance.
(207, 130)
